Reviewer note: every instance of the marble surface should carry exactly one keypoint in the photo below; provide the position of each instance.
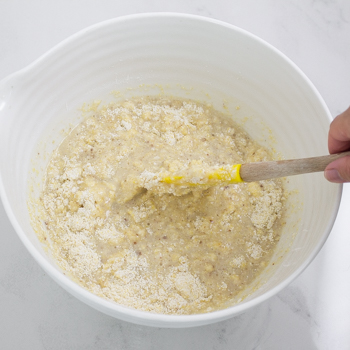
(312, 313)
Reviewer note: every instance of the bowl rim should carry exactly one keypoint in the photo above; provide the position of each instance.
(166, 320)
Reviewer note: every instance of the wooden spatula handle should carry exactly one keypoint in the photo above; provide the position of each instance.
(269, 170)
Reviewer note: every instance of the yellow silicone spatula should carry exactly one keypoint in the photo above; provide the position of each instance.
(250, 172)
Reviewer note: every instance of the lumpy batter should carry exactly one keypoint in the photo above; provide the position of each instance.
(157, 247)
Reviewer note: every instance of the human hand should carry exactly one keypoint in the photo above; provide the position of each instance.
(339, 141)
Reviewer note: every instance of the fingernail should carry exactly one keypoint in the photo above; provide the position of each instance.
(333, 175)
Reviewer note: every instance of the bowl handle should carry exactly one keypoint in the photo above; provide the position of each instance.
(7, 88)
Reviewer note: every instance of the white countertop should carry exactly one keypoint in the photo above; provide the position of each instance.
(312, 313)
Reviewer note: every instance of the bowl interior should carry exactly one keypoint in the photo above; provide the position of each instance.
(184, 56)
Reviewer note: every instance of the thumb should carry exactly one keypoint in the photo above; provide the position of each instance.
(338, 171)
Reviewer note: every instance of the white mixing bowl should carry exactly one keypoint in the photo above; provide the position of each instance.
(186, 56)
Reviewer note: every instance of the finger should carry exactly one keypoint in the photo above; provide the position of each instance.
(339, 133)
(338, 171)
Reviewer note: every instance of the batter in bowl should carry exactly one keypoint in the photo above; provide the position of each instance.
(123, 235)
